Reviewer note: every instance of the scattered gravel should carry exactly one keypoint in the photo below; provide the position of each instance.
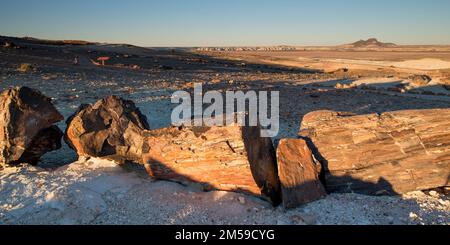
(98, 191)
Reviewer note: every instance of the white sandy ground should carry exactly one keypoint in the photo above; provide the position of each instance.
(419, 64)
(329, 65)
(384, 85)
(98, 191)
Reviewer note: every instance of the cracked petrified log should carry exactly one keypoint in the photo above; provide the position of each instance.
(111, 127)
(27, 128)
(299, 173)
(231, 158)
(389, 153)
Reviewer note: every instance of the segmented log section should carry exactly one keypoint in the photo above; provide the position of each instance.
(393, 152)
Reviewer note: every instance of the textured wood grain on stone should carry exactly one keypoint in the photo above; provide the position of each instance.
(299, 173)
(388, 153)
(230, 158)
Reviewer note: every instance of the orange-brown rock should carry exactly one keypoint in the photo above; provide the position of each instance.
(27, 129)
(388, 153)
(230, 158)
(110, 128)
(299, 173)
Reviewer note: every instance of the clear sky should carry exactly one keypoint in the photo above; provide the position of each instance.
(229, 22)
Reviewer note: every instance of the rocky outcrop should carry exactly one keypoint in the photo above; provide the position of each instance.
(27, 128)
(25, 67)
(389, 153)
(299, 173)
(111, 128)
(231, 158)
(420, 80)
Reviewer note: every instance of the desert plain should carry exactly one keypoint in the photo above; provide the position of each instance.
(361, 78)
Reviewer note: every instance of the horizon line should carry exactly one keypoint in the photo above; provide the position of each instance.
(215, 46)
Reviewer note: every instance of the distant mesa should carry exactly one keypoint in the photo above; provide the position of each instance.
(57, 42)
(371, 43)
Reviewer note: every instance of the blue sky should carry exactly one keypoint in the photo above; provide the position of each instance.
(229, 22)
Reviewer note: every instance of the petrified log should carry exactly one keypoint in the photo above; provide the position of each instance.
(26, 126)
(299, 173)
(111, 127)
(389, 153)
(231, 158)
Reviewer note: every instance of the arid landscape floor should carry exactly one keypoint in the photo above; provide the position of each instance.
(64, 190)
(98, 191)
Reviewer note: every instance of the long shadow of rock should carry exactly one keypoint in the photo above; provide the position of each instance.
(249, 66)
(382, 187)
(265, 153)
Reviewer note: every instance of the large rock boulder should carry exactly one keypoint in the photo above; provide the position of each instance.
(111, 128)
(27, 128)
(388, 153)
(230, 158)
(299, 173)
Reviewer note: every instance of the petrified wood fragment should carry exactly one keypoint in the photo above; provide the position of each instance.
(231, 158)
(27, 129)
(388, 153)
(299, 173)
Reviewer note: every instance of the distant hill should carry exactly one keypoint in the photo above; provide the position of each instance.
(370, 43)
(18, 40)
(58, 42)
